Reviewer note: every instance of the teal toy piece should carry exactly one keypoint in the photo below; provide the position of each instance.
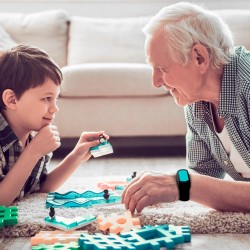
(156, 237)
(104, 148)
(86, 199)
(8, 216)
(103, 242)
(149, 237)
(57, 246)
(69, 224)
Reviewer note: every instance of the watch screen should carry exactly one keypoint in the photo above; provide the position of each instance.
(183, 175)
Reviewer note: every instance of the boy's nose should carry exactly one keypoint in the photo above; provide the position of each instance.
(54, 108)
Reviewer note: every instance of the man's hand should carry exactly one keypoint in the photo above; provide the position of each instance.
(148, 189)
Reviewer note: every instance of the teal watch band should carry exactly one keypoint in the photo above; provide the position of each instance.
(183, 182)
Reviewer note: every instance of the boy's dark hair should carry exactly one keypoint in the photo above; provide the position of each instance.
(24, 67)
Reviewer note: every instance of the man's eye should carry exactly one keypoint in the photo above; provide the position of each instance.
(163, 70)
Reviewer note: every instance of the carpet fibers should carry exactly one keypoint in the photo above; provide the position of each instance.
(201, 219)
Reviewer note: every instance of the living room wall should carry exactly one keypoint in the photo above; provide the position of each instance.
(109, 8)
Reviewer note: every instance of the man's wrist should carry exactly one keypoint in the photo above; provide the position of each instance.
(183, 183)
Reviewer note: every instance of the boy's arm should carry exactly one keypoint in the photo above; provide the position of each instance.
(13, 182)
(45, 141)
(70, 163)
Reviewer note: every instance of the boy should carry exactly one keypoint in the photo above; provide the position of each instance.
(29, 87)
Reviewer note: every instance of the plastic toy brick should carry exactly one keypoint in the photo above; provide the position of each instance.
(57, 236)
(8, 216)
(103, 148)
(182, 230)
(113, 185)
(103, 242)
(118, 223)
(57, 246)
(68, 224)
(86, 199)
(154, 237)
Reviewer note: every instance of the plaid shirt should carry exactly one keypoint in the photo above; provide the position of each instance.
(10, 150)
(205, 153)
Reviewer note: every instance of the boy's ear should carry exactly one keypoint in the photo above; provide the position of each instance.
(9, 98)
(201, 57)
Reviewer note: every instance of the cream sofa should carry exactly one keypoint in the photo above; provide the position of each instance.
(107, 84)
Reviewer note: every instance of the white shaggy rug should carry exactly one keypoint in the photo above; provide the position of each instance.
(200, 219)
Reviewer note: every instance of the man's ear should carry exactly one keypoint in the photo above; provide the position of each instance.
(9, 99)
(201, 58)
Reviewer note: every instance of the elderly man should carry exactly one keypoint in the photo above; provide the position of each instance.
(192, 54)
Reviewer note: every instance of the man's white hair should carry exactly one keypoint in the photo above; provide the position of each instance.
(185, 24)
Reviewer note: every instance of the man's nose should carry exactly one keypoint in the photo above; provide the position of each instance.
(157, 81)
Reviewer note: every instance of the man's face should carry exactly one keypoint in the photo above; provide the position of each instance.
(37, 106)
(183, 81)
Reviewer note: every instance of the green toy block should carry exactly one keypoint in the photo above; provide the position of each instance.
(57, 246)
(68, 224)
(8, 216)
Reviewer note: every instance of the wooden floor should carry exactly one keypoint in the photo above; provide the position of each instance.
(126, 166)
(198, 242)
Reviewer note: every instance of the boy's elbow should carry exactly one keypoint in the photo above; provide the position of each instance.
(5, 203)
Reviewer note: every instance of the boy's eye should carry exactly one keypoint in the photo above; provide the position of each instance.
(47, 99)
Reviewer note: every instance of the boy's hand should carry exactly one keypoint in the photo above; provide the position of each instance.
(46, 140)
(86, 141)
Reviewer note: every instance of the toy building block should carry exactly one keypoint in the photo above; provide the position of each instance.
(101, 149)
(132, 177)
(103, 242)
(69, 224)
(86, 199)
(182, 230)
(117, 186)
(57, 246)
(153, 238)
(57, 236)
(8, 216)
(118, 223)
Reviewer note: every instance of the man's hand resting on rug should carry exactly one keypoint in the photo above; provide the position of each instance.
(148, 189)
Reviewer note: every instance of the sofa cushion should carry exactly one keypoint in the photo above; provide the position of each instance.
(239, 22)
(107, 80)
(5, 40)
(47, 30)
(95, 40)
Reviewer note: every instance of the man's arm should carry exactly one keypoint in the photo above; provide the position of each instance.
(223, 195)
(151, 188)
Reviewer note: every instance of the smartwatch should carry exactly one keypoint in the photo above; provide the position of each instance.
(183, 182)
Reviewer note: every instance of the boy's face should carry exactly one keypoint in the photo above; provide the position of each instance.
(37, 106)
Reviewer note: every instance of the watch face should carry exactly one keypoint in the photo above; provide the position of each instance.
(183, 175)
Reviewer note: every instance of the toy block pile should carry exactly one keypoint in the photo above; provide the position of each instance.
(148, 237)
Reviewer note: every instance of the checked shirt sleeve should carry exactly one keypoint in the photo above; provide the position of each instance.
(198, 155)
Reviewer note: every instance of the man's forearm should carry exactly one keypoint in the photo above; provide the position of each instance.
(223, 195)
